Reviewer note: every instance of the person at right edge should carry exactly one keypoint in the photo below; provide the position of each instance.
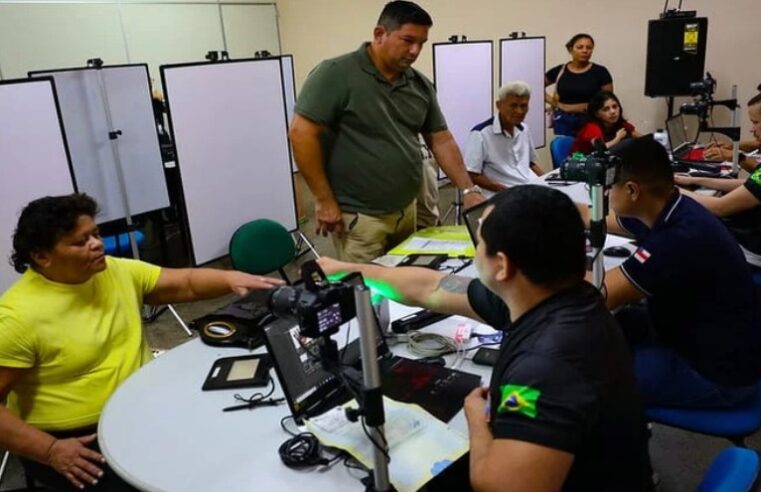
(355, 137)
(575, 83)
(697, 337)
(562, 410)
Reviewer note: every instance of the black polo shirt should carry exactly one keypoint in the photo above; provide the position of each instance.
(565, 379)
(700, 294)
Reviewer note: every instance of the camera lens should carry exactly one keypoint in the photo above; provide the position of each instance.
(282, 301)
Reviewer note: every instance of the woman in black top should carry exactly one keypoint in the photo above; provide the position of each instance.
(575, 84)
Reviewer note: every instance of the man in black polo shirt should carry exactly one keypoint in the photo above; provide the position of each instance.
(355, 137)
(561, 411)
(697, 342)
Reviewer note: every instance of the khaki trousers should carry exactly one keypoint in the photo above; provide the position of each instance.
(367, 237)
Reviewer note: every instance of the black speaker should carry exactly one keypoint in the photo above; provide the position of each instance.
(676, 53)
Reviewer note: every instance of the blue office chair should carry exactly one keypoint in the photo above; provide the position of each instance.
(119, 245)
(733, 470)
(560, 147)
(734, 423)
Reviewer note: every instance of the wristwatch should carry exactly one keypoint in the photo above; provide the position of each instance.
(472, 189)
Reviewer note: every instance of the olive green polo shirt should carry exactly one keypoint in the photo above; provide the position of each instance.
(372, 154)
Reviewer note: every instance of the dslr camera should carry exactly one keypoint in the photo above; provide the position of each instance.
(702, 95)
(598, 168)
(319, 307)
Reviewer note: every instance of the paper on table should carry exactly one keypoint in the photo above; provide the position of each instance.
(449, 240)
(434, 245)
(420, 445)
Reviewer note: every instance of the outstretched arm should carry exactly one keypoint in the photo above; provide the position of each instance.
(412, 286)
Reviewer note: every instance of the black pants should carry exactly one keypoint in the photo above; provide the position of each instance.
(54, 481)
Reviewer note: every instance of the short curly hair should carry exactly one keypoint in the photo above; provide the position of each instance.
(42, 223)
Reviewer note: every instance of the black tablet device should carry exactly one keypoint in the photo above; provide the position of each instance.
(238, 372)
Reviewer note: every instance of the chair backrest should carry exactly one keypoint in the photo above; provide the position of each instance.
(560, 147)
(261, 246)
(733, 470)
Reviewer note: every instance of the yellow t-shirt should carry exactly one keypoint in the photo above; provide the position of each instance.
(81, 341)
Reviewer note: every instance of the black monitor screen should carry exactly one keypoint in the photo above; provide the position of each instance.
(471, 217)
(304, 382)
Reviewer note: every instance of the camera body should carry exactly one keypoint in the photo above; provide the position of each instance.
(706, 86)
(598, 168)
(319, 309)
(702, 94)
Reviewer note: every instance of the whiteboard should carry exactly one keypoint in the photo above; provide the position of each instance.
(229, 128)
(84, 118)
(289, 85)
(463, 75)
(34, 161)
(523, 59)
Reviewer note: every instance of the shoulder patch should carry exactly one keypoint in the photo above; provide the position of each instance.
(755, 176)
(641, 255)
(518, 399)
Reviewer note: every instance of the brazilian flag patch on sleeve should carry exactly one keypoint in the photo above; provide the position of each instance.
(518, 399)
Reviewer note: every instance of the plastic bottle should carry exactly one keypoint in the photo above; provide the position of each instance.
(662, 138)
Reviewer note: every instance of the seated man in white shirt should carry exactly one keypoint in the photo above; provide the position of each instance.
(500, 152)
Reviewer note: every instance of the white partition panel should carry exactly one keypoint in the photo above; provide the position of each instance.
(229, 126)
(84, 110)
(463, 75)
(34, 161)
(289, 85)
(523, 59)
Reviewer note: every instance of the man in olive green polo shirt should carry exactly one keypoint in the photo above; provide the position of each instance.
(355, 137)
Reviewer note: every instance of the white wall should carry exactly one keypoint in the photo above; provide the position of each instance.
(59, 34)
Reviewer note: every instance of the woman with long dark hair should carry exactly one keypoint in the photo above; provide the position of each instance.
(605, 122)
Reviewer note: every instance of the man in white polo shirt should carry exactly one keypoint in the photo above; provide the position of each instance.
(500, 152)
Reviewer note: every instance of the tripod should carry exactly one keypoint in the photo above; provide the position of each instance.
(457, 207)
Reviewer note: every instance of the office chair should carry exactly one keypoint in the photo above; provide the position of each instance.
(734, 424)
(262, 246)
(560, 147)
(733, 470)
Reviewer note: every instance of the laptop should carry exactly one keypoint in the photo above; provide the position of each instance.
(471, 216)
(683, 150)
(309, 390)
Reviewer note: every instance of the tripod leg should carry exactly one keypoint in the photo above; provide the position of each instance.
(179, 320)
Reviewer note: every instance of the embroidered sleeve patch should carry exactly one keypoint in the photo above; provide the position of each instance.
(520, 399)
(756, 176)
(641, 255)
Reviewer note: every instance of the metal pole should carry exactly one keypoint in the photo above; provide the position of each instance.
(305, 240)
(597, 233)
(179, 320)
(113, 134)
(458, 207)
(373, 395)
(735, 143)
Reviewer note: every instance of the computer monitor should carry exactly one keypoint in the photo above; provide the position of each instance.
(471, 216)
(677, 133)
(307, 387)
